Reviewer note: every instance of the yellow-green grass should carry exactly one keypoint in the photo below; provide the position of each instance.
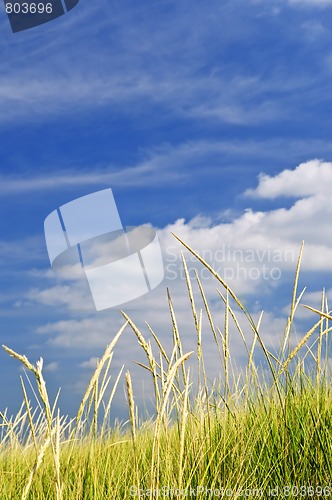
(240, 437)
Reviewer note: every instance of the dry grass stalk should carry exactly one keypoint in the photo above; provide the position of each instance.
(294, 302)
(35, 468)
(203, 440)
(317, 311)
(58, 484)
(154, 476)
(11, 434)
(190, 291)
(37, 371)
(131, 403)
(212, 271)
(148, 351)
(320, 342)
(176, 334)
(184, 417)
(31, 425)
(226, 346)
(208, 312)
(236, 322)
(110, 399)
(161, 349)
(132, 420)
(98, 370)
(296, 349)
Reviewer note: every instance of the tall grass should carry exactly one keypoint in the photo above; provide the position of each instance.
(242, 436)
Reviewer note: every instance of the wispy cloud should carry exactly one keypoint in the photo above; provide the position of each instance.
(52, 367)
(183, 162)
(277, 4)
(90, 363)
(158, 167)
(313, 3)
(144, 67)
(24, 250)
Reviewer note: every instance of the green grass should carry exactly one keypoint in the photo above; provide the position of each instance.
(244, 436)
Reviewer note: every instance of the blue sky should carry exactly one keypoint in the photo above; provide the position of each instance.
(212, 121)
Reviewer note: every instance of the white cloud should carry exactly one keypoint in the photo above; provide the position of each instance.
(51, 367)
(90, 363)
(314, 299)
(254, 253)
(309, 178)
(74, 296)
